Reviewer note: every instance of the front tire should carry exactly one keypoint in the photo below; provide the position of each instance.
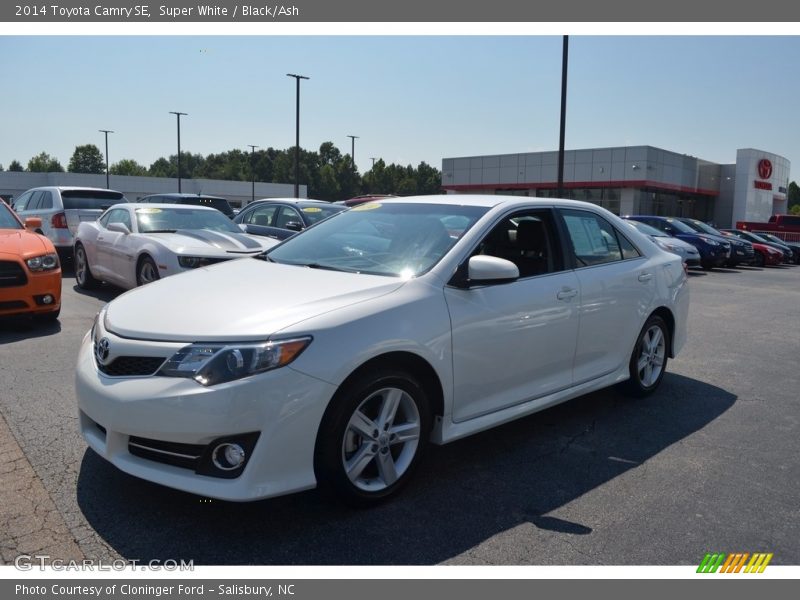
(759, 259)
(146, 271)
(83, 274)
(372, 437)
(649, 359)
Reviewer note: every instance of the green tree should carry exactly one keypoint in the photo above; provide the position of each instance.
(795, 210)
(87, 159)
(15, 166)
(794, 194)
(44, 163)
(127, 166)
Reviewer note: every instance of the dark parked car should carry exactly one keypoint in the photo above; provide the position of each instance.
(765, 254)
(714, 252)
(754, 238)
(793, 246)
(281, 218)
(221, 204)
(741, 249)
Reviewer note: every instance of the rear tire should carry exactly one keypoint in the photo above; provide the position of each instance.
(372, 437)
(649, 359)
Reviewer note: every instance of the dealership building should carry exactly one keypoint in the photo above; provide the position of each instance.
(632, 180)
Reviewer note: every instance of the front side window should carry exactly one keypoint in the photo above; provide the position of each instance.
(118, 215)
(391, 239)
(287, 215)
(528, 239)
(21, 203)
(594, 240)
(261, 215)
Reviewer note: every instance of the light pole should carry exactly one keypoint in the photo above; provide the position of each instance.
(297, 136)
(106, 131)
(565, 52)
(353, 139)
(253, 168)
(178, 114)
(373, 159)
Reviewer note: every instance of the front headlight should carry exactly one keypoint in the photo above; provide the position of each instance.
(193, 262)
(710, 242)
(210, 364)
(48, 262)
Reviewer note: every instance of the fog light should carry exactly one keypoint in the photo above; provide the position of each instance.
(48, 299)
(228, 456)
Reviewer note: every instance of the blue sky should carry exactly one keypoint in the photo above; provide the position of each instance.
(408, 98)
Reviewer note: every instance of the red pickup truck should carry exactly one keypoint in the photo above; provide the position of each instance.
(786, 227)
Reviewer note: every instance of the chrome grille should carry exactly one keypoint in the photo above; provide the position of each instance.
(132, 366)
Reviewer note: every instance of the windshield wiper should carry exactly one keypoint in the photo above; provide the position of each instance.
(161, 231)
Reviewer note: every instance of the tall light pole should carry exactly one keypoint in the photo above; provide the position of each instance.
(297, 136)
(373, 159)
(565, 52)
(106, 131)
(353, 139)
(253, 168)
(178, 114)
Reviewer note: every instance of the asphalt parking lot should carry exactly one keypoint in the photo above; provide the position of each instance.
(708, 463)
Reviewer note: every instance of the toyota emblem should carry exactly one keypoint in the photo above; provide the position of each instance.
(101, 351)
(764, 168)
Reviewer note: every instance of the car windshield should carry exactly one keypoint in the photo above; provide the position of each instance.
(92, 199)
(7, 220)
(701, 227)
(165, 220)
(647, 229)
(391, 239)
(767, 237)
(314, 213)
(681, 227)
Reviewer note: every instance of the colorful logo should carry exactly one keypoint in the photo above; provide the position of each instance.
(764, 168)
(734, 563)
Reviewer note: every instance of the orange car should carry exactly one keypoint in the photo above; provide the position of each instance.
(30, 274)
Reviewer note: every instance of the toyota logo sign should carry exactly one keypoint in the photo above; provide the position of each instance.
(101, 351)
(764, 168)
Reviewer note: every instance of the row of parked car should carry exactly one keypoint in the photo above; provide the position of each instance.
(702, 245)
(178, 232)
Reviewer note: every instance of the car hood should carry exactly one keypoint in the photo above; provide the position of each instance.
(206, 242)
(239, 300)
(19, 242)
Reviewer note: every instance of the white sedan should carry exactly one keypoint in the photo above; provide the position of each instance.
(361, 339)
(133, 244)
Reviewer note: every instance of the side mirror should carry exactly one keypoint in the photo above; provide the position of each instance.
(33, 223)
(243, 227)
(491, 269)
(119, 228)
(294, 226)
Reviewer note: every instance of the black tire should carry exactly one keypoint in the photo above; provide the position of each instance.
(83, 274)
(340, 444)
(707, 266)
(643, 382)
(759, 259)
(48, 317)
(146, 271)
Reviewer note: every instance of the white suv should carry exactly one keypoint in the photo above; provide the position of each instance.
(61, 210)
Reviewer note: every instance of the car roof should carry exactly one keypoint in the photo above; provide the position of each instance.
(292, 201)
(184, 195)
(69, 188)
(486, 200)
(165, 205)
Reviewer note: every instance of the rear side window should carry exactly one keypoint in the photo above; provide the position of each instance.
(594, 240)
(96, 199)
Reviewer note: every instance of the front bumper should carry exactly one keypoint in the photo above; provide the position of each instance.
(29, 297)
(283, 407)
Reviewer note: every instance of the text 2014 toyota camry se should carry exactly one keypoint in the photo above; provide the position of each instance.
(356, 342)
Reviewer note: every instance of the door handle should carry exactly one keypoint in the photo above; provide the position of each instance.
(645, 277)
(567, 294)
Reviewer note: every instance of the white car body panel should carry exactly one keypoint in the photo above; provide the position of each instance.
(113, 256)
(499, 352)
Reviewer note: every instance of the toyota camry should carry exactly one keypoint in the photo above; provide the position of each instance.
(360, 340)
